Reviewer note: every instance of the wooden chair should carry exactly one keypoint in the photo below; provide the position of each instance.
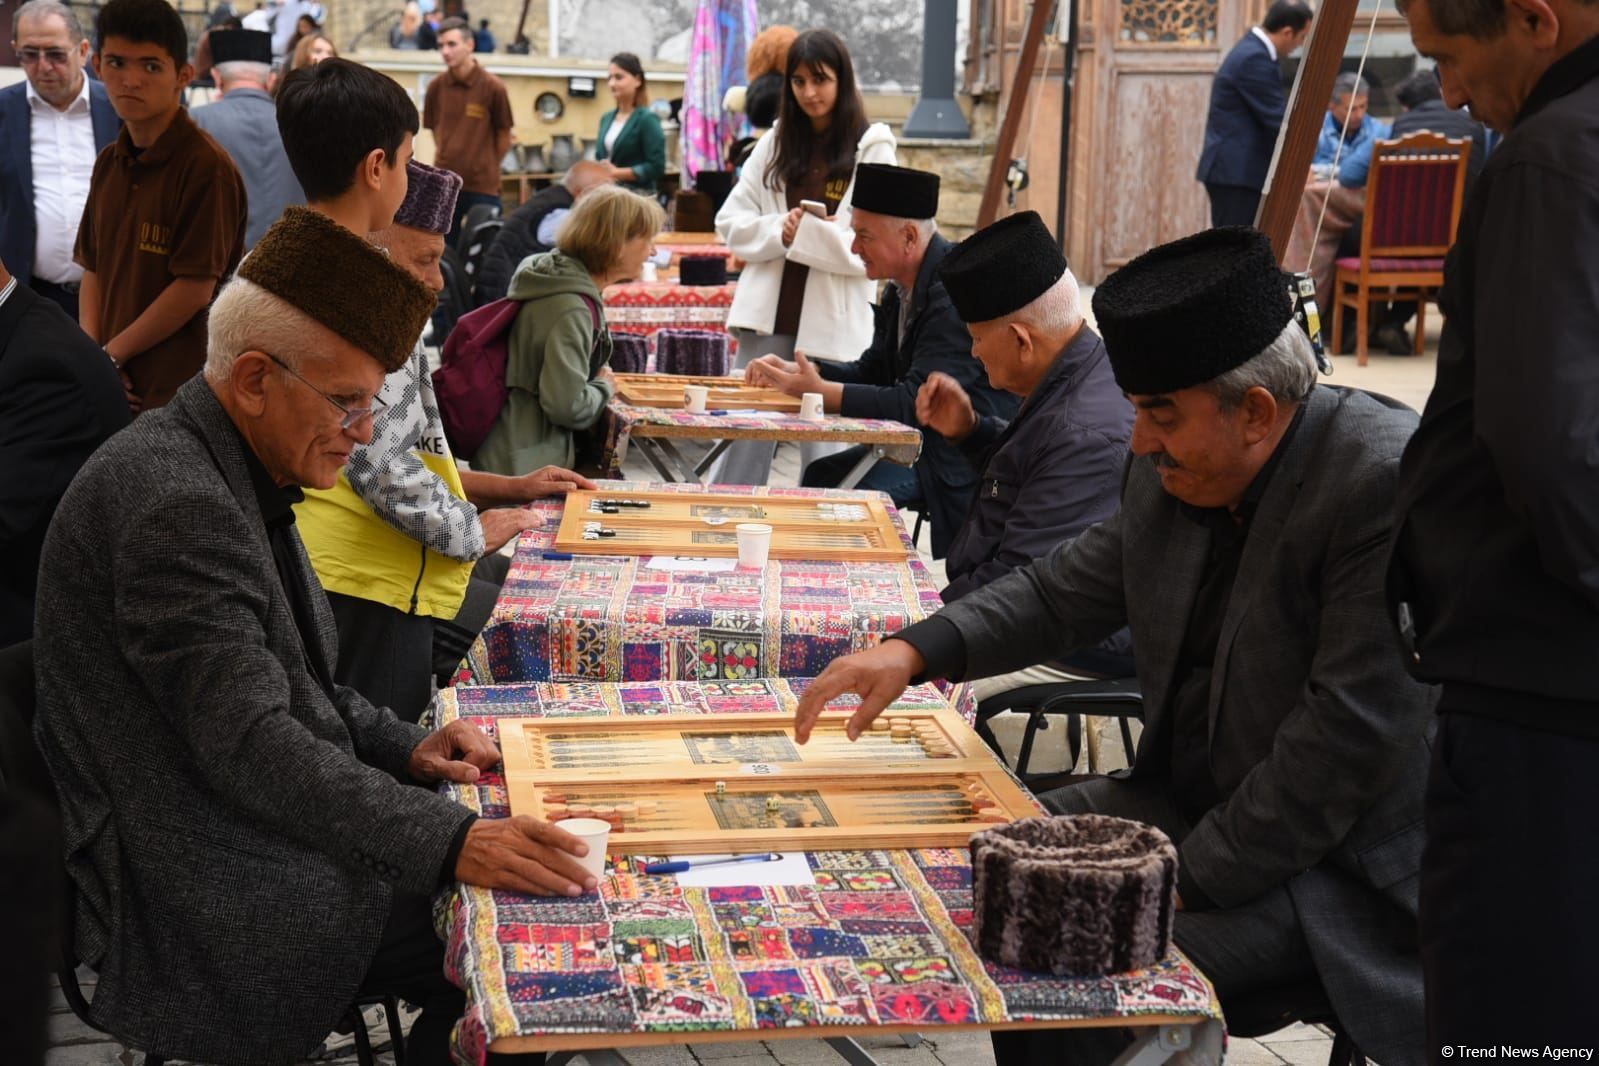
(1413, 199)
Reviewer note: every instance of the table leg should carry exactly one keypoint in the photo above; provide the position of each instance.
(852, 1052)
(911, 1039)
(594, 1057)
(858, 471)
(704, 465)
(648, 447)
(671, 452)
(1190, 1045)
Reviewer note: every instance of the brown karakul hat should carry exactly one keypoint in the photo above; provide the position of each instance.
(341, 281)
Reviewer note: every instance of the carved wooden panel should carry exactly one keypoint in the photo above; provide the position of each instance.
(1151, 148)
(1168, 22)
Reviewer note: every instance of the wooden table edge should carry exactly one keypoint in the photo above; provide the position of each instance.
(905, 438)
(594, 1041)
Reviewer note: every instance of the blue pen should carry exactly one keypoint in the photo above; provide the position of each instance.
(694, 864)
(556, 556)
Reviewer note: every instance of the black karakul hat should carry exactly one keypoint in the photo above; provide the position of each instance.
(240, 46)
(898, 191)
(337, 278)
(1186, 312)
(1003, 268)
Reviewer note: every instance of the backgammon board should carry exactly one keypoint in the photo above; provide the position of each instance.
(727, 394)
(685, 784)
(602, 522)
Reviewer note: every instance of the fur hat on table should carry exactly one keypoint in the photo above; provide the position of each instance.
(1187, 312)
(430, 196)
(329, 273)
(1078, 895)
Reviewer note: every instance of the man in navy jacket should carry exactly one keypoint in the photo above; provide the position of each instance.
(59, 99)
(1247, 101)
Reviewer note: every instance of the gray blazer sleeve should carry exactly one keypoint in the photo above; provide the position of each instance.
(194, 631)
(1072, 597)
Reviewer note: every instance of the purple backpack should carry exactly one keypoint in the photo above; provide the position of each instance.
(470, 381)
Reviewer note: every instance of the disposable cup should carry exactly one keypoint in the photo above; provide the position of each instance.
(694, 397)
(811, 406)
(595, 833)
(754, 543)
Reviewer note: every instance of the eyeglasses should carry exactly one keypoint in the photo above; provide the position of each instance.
(352, 415)
(57, 57)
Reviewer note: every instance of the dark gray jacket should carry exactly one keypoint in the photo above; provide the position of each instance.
(1048, 474)
(1497, 542)
(884, 381)
(1434, 116)
(234, 836)
(518, 239)
(245, 122)
(1318, 739)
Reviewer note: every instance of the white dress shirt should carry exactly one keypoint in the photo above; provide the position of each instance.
(63, 162)
(1271, 48)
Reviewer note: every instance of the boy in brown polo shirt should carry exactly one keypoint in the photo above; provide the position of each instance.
(469, 113)
(164, 222)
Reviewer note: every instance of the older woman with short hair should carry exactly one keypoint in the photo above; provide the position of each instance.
(556, 373)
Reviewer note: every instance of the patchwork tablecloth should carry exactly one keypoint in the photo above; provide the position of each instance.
(612, 618)
(647, 306)
(879, 939)
(899, 443)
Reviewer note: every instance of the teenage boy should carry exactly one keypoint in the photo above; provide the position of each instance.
(163, 226)
(469, 112)
(347, 130)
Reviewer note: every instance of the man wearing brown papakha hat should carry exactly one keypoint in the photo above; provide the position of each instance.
(228, 809)
(1284, 747)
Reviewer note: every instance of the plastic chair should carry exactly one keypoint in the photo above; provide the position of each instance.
(1117, 698)
(1413, 199)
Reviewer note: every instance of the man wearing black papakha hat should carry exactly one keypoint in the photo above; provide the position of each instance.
(1284, 747)
(228, 809)
(916, 332)
(1056, 468)
(245, 122)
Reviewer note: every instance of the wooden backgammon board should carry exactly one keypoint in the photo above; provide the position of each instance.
(685, 784)
(600, 522)
(727, 394)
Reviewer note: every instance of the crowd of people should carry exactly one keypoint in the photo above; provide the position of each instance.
(242, 554)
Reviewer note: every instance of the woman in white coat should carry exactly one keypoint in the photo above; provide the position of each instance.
(802, 287)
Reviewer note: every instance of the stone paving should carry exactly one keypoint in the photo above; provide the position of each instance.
(1405, 378)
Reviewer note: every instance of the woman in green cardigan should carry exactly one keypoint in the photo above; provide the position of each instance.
(631, 140)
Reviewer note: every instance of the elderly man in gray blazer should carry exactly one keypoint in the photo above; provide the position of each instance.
(246, 840)
(1284, 748)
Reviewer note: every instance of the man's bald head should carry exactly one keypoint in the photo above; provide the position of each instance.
(584, 175)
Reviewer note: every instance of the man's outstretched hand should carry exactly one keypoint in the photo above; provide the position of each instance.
(943, 405)
(877, 676)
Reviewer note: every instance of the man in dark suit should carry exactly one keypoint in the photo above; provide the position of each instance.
(916, 332)
(52, 126)
(60, 397)
(1284, 746)
(530, 229)
(245, 836)
(1247, 101)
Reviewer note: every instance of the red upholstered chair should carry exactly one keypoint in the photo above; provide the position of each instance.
(1413, 198)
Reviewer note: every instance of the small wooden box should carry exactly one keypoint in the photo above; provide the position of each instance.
(704, 524)
(688, 784)
(727, 394)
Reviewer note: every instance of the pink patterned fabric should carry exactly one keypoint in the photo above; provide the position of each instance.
(723, 30)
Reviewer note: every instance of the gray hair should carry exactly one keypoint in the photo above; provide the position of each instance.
(925, 228)
(246, 317)
(1350, 83)
(1286, 368)
(41, 9)
(1055, 311)
(237, 70)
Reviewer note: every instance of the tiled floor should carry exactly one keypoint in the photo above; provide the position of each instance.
(1408, 379)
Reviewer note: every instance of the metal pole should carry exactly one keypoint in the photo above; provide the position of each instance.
(936, 113)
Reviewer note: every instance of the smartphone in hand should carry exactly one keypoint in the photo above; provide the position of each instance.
(814, 207)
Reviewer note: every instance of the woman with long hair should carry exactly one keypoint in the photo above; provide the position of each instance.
(803, 289)
(313, 48)
(631, 142)
(557, 370)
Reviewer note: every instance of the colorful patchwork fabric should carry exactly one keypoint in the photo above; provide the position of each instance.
(879, 939)
(898, 442)
(647, 306)
(611, 618)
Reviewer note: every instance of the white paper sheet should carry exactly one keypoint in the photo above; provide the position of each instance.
(791, 869)
(682, 564)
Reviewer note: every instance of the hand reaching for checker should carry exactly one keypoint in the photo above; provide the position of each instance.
(877, 676)
(943, 405)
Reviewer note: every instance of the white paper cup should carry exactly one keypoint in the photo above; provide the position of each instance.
(754, 543)
(595, 833)
(694, 397)
(648, 272)
(811, 406)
